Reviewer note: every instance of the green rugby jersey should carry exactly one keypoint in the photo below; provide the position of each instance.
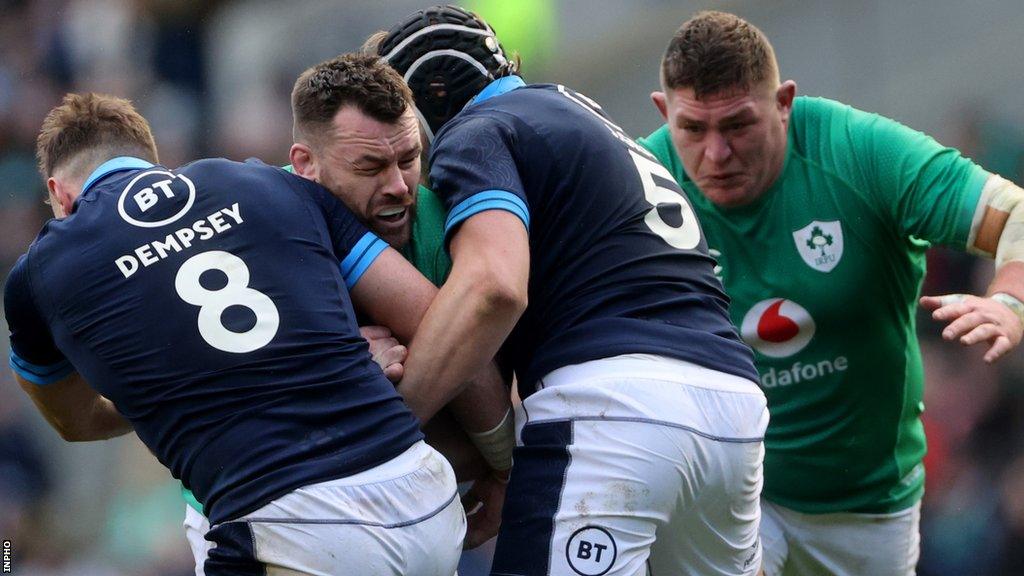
(425, 251)
(824, 271)
(426, 243)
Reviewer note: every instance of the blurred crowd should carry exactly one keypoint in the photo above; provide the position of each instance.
(213, 77)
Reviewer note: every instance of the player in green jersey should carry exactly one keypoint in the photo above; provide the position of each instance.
(821, 215)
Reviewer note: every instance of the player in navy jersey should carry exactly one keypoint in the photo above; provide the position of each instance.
(370, 161)
(641, 429)
(210, 309)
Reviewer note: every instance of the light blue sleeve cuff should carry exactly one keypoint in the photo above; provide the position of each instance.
(487, 200)
(40, 375)
(360, 258)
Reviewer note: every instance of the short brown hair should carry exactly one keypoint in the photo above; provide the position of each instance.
(362, 80)
(713, 52)
(96, 125)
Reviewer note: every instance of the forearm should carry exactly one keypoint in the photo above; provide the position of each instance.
(483, 402)
(105, 422)
(460, 333)
(446, 436)
(1009, 279)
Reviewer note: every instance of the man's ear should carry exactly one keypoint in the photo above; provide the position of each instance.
(784, 96)
(661, 103)
(61, 198)
(304, 161)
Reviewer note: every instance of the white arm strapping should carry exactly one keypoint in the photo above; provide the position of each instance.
(1001, 195)
(496, 444)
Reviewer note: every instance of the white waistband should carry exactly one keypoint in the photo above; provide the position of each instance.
(415, 484)
(645, 388)
(648, 367)
(409, 461)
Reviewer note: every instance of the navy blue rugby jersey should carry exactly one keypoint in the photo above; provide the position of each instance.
(210, 304)
(618, 263)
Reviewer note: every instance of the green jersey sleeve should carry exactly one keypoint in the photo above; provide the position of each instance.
(928, 190)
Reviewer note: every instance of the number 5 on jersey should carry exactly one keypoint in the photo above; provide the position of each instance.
(685, 236)
(213, 303)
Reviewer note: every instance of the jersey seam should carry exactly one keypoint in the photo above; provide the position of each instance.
(294, 187)
(511, 121)
(356, 521)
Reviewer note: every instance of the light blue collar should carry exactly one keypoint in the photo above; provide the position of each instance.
(115, 165)
(497, 88)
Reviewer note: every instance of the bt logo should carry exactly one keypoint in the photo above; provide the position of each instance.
(591, 551)
(156, 198)
(777, 327)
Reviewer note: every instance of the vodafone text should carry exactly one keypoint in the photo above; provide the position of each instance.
(800, 372)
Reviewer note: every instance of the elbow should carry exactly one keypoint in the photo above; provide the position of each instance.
(89, 435)
(74, 433)
(502, 298)
(90, 431)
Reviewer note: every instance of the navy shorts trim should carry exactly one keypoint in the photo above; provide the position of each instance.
(535, 493)
(234, 551)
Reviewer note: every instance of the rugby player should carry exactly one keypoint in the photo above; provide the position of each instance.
(641, 424)
(213, 315)
(373, 167)
(822, 215)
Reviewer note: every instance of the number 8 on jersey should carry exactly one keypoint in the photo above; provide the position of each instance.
(213, 303)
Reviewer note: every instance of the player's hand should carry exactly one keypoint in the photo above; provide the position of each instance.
(973, 319)
(386, 351)
(483, 503)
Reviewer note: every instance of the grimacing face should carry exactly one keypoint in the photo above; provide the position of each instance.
(733, 144)
(374, 168)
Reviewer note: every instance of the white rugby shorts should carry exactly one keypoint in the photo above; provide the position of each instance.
(402, 518)
(843, 544)
(196, 527)
(632, 465)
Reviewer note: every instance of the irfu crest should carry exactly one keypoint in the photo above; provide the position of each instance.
(820, 244)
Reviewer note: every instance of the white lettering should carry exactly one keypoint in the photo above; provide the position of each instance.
(145, 198)
(145, 255)
(795, 370)
(218, 222)
(163, 248)
(165, 185)
(127, 265)
(179, 240)
(235, 212)
(204, 231)
(785, 379)
(825, 367)
(809, 372)
(185, 235)
(800, 372)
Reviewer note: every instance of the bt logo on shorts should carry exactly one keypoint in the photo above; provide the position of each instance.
(156, 198)
(591, 551)
(777, 327)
